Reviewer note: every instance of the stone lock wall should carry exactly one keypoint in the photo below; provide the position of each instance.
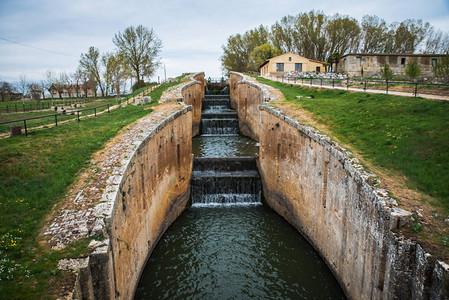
(326, 195)
(147, 192)
(152, 195)
(191, 93)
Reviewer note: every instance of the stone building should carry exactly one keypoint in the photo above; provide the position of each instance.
(353, 63)
(290, 63)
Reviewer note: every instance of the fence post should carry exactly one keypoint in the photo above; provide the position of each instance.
(321, 81)
(387, 86)
(416, 89)
(347, 83)
(295, 79)
(311, 81)
(108, 107)
(25, 125)
(333, 82)
(302, 81)
(56, 120)
(78, 115)
(364, 88)
(95, 111)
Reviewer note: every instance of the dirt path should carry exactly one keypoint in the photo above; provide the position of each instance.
(374, 91)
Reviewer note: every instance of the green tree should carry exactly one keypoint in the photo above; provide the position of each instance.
(90, 63)
(140, 47)
(373, 34)
(413, 70)
(342, 35)
(405, 37)
(260, 54)
(237, 51)
(116, 70)
(281, 34)
(309, 35)
(386, 72)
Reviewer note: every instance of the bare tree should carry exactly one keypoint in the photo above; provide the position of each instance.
(6, 89)
(23, 86)
(437, 42)
(51, 79)
(140, 47)
(35, 91)
(106, 59)
(43, 86)
(90, 63)
(76, 79)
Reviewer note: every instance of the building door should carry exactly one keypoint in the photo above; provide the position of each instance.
(298, 67)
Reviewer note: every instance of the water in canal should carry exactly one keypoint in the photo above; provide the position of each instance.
(229, 245)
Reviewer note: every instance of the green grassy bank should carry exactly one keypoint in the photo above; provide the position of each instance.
(35, 173)
(403, 134)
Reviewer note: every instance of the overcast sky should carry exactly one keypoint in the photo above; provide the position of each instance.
(192, 32)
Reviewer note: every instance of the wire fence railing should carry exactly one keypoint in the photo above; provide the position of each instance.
(382, 86)
(14, 127)
(44, 104)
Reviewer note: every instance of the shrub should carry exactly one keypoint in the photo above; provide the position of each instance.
(413, 70)
(386, 72)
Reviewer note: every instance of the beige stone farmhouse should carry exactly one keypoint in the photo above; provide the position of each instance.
(353, 63)
(290, 62)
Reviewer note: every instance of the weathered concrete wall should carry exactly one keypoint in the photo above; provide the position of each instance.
(148, 192)
(191, 93)
(326, 195)
(246, 96)
(352, 64)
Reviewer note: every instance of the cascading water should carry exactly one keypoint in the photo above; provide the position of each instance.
(223, 180)
(224, 246)
(217, 117)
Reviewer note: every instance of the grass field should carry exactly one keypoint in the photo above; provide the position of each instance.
(408, 135)
(35, 173)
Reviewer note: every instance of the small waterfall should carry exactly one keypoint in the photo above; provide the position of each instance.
(219, 123)
(227, 180)
(223, 180)
(216, 102)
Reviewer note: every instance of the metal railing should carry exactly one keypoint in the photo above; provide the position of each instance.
(23, 107)
(74, 113)
(406, 87)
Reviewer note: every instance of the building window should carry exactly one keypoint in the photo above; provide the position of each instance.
(318, 69)
(289, 59)
(280, 67)
(402, 60)
(434, 62)
(298, 67)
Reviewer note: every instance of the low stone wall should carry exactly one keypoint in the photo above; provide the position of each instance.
(324, 193)
(192, 93)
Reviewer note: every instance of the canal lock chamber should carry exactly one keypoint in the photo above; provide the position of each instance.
(228, 244)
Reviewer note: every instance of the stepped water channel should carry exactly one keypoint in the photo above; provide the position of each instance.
(228, 245)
